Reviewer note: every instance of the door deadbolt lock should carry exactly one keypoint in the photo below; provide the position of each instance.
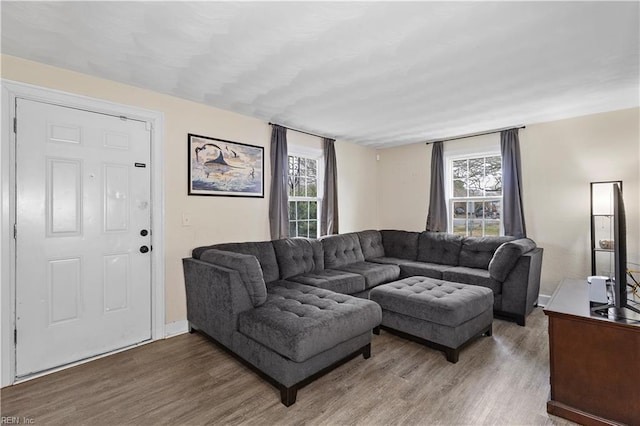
(144, 232)
(144, 249)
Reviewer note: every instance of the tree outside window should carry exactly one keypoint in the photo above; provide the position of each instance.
(303, 197)
(475, 207)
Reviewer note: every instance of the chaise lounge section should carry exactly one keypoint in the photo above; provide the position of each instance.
(290, 333)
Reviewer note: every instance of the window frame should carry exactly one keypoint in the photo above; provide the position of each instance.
(312, 154)
(449, 159)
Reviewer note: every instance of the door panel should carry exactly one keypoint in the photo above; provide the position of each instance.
(83, 288)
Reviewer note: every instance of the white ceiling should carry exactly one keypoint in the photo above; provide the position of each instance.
(374, 73)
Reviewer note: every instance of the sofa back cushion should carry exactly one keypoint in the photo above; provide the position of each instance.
(371, 244)
(400, 244)
(298, 256)
(477, 252)
(506, 257)
(340, 250)
(262, 250)
(248, 267)
(439, 247)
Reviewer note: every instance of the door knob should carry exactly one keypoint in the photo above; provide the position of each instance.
(144, 249)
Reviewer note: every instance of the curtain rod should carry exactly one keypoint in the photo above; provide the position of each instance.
(296, 130)
(470, 135)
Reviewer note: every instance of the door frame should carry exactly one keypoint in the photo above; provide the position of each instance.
(12, 90)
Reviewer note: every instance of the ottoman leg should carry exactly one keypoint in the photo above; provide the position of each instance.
(366, 351)
(489, 331)
(288, 395)
(376, 330)
(452, 354)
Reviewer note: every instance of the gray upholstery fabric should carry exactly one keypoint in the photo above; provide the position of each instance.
(521, 288)
(400, 244)
(215, 298)
(390, 260)
(289, 372)
(473, 276)
(506, 257)
(340, 250)
(279, 195)
(299, 321)
(477, 252)
(436, 301)
(248, 268)
(449, 336)
(332, 279)
(297, 256)
(437, 247)
(373, 273)
(431, 270)
(371, 244)
(262, 250)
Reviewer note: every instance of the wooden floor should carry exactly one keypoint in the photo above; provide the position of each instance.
(499, 380)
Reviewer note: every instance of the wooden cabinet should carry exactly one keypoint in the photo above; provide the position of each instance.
(594, 359)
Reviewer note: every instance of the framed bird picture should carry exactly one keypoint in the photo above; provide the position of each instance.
(225, 168)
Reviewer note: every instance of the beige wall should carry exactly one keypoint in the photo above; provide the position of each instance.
(559, 160)
(213, 219)
(357, 189)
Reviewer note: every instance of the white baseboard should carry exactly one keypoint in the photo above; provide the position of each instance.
(175, 328)
(543, 300)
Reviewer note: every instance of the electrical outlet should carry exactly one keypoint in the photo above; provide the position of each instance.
(186, 219)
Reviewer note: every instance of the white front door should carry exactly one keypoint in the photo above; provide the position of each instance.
(83, 270)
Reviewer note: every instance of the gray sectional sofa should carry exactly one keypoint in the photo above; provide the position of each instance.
(294, 308)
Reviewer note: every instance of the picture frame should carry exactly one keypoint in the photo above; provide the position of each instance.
(223, 168)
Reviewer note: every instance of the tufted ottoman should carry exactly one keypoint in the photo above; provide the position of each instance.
(440, 314)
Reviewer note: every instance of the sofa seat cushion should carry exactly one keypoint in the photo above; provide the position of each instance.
(299, 321)
(389, 260)
(334, 280)
(373, 273)
(473, 276)
(432, 300)
(432, 270)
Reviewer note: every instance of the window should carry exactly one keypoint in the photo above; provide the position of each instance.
(475, 203)
(304, 195)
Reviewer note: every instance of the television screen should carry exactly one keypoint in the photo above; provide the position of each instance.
(620, 247)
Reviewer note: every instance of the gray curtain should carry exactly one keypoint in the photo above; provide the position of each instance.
(279, 199)
(513, 215)
(329, 211)
(437, 217)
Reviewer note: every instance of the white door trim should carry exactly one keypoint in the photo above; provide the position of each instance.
(12, 90)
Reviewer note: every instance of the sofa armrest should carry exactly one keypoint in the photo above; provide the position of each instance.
(506, 257)
(521, 288)
(215, 297)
